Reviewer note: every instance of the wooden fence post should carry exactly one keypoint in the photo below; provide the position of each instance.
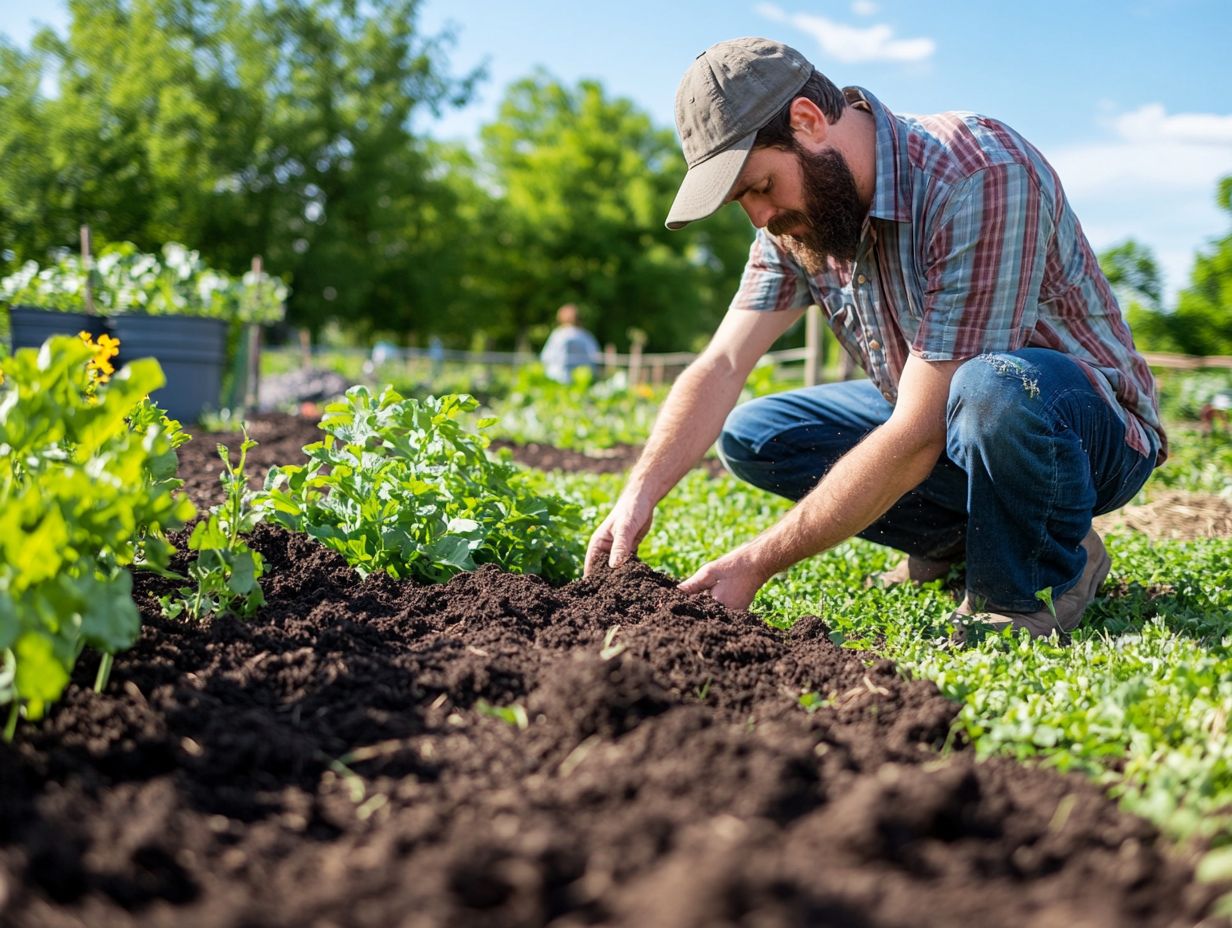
(656, 371)
(812, 345)
(635, 360)
(609, 360)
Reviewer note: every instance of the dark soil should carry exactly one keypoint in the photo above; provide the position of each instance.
(497, 751)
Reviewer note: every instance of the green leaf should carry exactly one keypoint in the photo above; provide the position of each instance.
(1215, 866)
(243, 573)
(451, 550)
(41, 675)
(109, 620)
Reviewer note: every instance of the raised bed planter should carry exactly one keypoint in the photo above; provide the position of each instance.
(30, 326)
(192, 352)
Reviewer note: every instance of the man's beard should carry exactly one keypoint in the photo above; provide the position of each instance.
(833, 215)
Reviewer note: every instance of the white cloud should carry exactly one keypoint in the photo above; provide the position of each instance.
(1154, 180)
(864, 7)
(853, 43)
(1151, 122)
(1151, 147)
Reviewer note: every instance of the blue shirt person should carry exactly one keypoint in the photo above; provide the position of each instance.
(568, 347)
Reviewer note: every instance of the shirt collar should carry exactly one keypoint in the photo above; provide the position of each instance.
(890, 198)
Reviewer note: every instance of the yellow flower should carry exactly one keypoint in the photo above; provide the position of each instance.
(100, 366)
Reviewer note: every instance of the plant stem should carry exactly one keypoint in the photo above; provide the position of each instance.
(10, 727)
(104, 672)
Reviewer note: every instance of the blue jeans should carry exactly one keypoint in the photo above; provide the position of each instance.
(1032, 453)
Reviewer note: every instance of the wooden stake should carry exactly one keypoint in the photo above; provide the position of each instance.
(87, 262)
(253, 378)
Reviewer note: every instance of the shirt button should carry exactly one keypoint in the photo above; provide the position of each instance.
(874, 345)
(888, 395)
(862, 279)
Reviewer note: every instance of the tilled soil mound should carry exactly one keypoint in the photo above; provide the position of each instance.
(497, 751)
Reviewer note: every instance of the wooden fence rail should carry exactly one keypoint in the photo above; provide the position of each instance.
(663, 367)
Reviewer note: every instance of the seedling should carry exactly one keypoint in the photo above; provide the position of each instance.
(227, 571)
(610, 650)
(514, 715)
(811, 701)
(1045, 596)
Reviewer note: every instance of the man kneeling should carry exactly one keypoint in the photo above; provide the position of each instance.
(1005, 403)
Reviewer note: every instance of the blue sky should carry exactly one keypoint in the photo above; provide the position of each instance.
(1131, 101)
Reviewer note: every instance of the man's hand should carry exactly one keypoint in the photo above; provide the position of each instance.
(618, 536)
(733, 579)
(858, 489)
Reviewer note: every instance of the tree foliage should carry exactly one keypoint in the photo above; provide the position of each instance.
(1204, 308)
(1136, 278)
(279, 127)
(287, 128)
(1201, 322)
(586, 181)
(1132, 270)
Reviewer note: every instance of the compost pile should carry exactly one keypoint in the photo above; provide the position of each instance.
(497, 751)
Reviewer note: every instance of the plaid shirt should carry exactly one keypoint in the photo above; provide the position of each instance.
(970, 246)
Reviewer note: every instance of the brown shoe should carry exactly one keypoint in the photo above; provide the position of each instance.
(1067, 609)
(912, 569)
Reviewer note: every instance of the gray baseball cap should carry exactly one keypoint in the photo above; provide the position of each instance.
(729, 92)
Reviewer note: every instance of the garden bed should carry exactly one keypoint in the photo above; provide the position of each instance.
(497, 751)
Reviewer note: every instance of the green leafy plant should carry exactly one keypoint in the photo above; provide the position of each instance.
(84, 494)
(125, 280)
(402, 485)
(227, 571)
(577, 415)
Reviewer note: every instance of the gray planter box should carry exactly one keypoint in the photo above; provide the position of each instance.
(192, 353)
(30, 326)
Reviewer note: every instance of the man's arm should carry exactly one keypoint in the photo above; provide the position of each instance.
(687, 425)
(861, 487)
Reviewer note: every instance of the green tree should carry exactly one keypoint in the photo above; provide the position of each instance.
(1132, 270)
(279, 127)
(1135, 276)
(24, 174)
(585, 183)
(1203, 318)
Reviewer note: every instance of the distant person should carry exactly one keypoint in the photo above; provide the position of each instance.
(436, 355)
(1215, 410)
(568, 347)
(1005, 403)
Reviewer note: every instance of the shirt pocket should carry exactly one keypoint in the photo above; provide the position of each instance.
(839, 308)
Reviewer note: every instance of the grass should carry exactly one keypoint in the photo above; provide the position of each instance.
(1140, 699)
